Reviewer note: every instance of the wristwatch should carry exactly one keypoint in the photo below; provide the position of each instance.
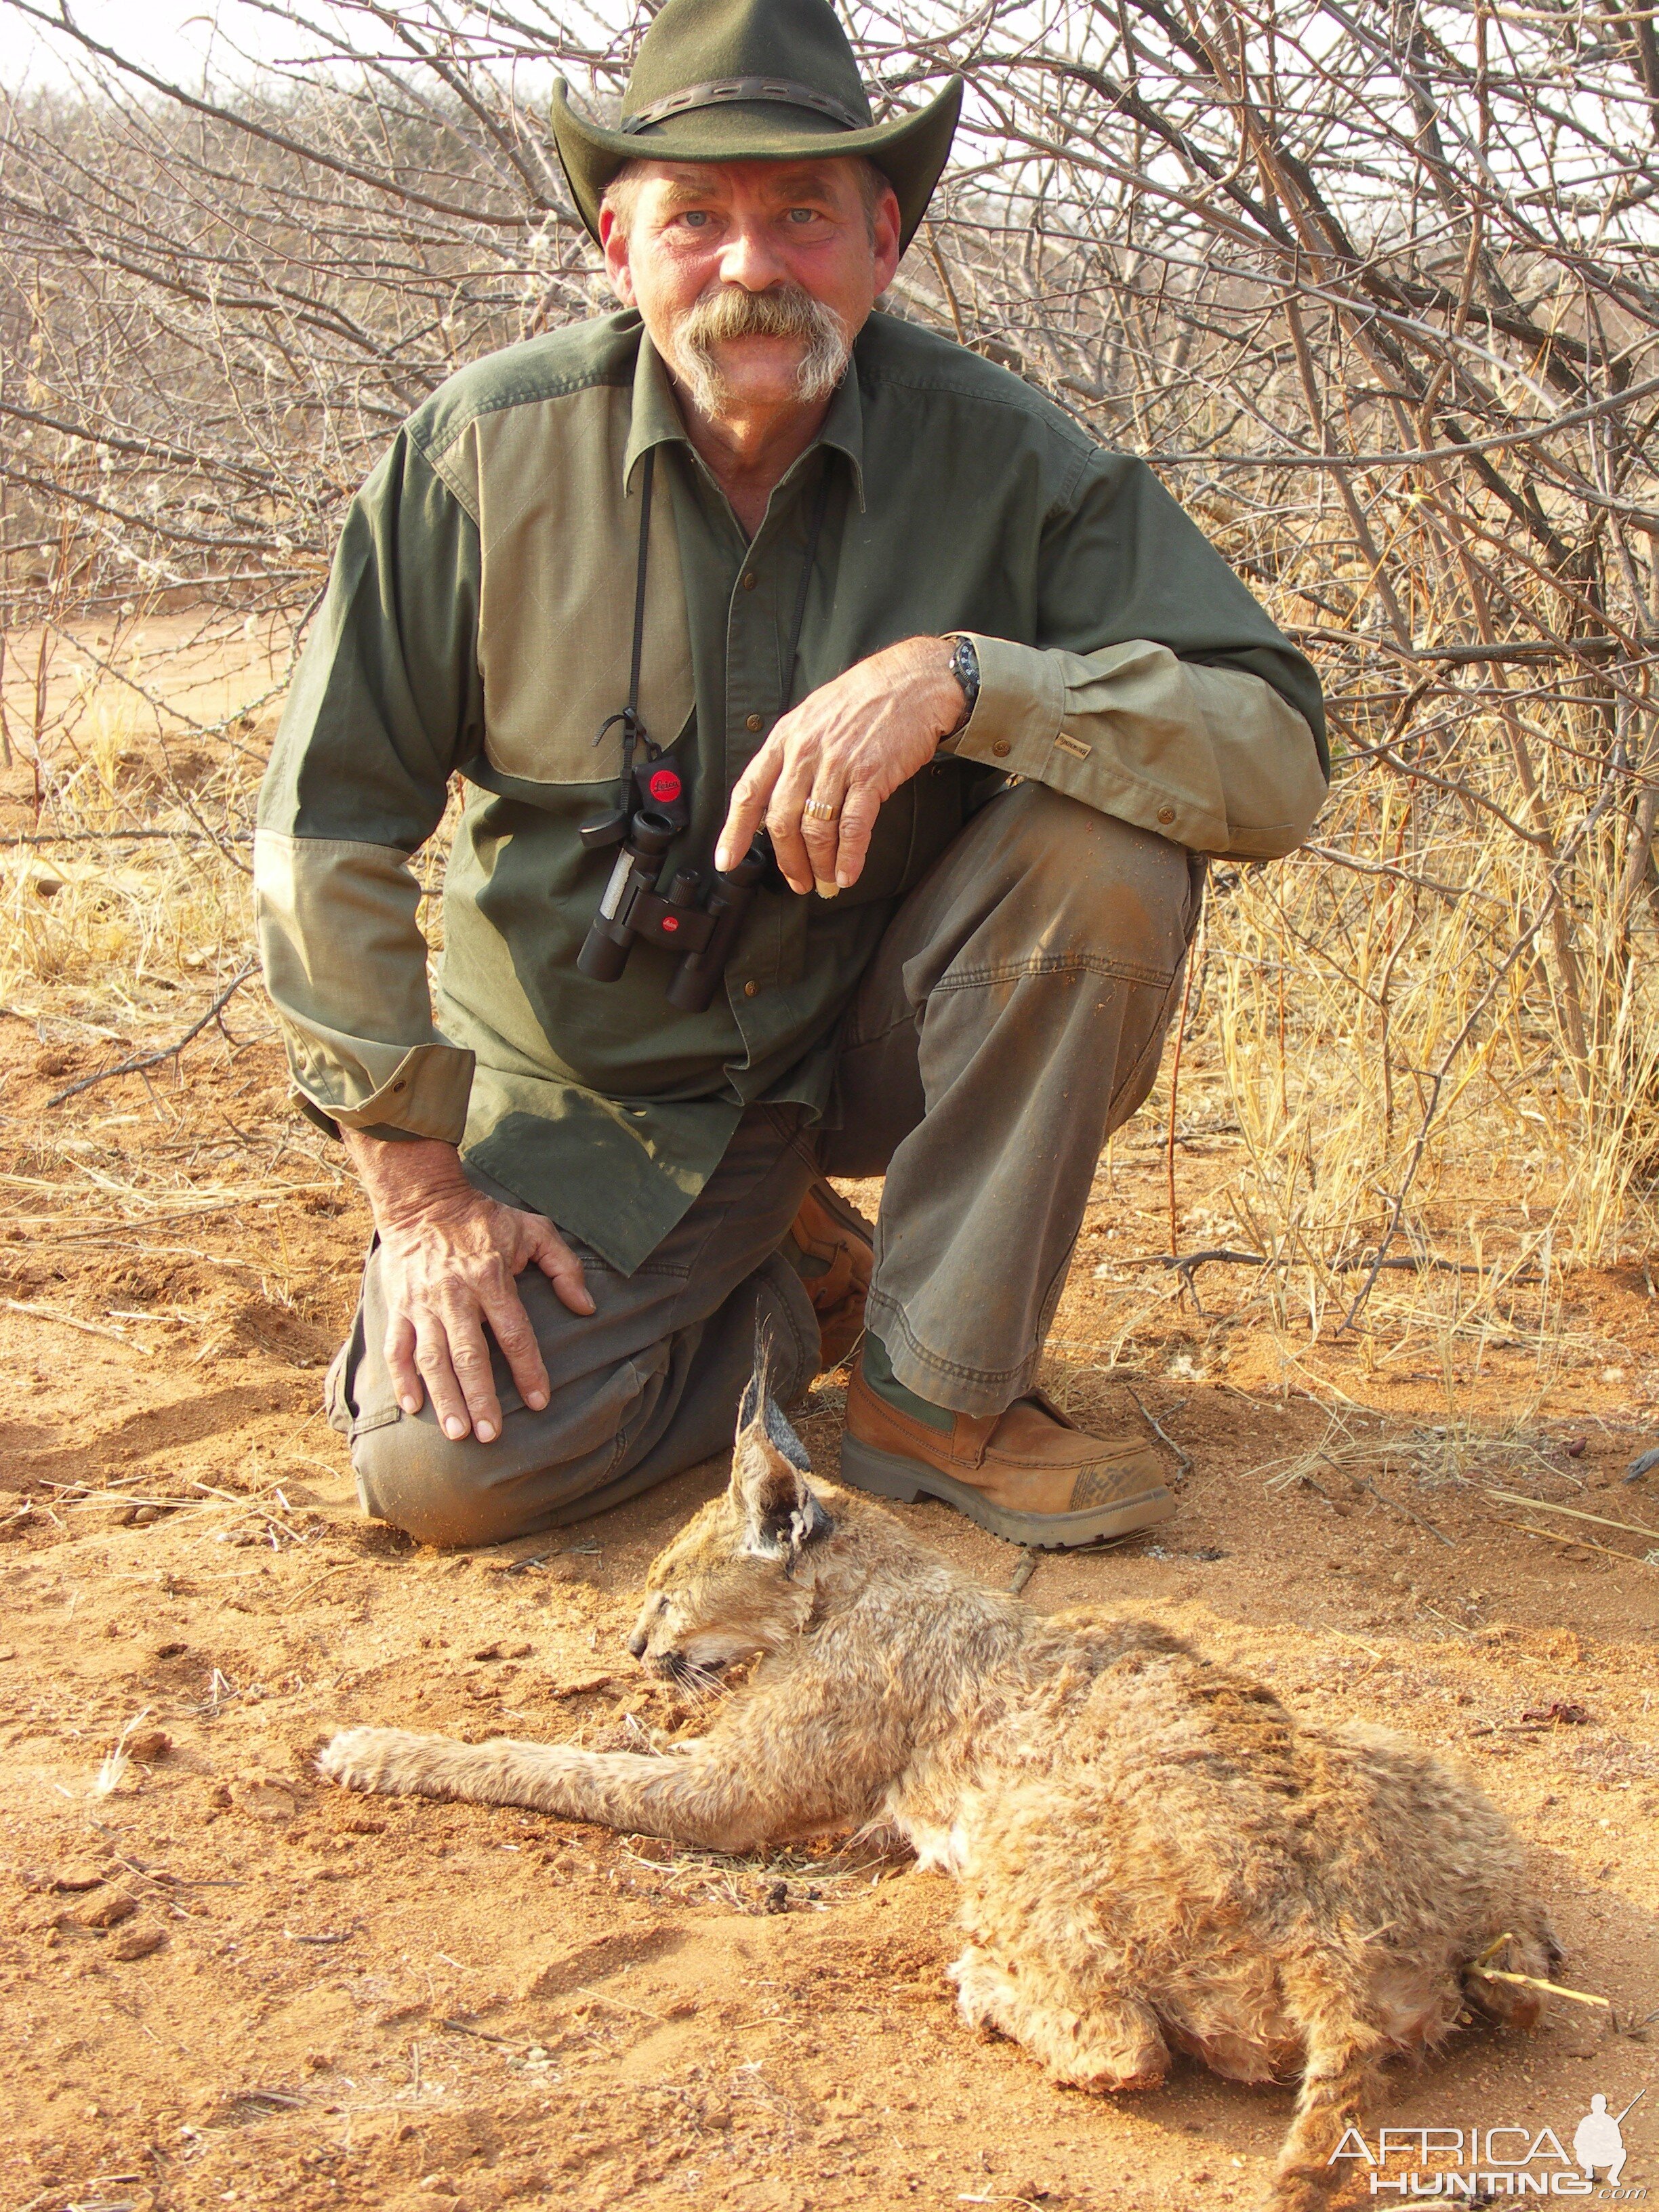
(964, 667)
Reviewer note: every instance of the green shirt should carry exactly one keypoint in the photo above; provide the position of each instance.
(477, 624)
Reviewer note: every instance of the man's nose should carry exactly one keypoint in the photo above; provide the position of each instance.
(750, 258)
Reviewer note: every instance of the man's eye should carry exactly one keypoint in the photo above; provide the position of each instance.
(801, 216)
(695, 218)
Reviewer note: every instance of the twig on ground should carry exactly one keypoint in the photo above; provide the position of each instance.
(289, 1603)
(1552, 1536)
(168, 1052)
(1440, 1535)
(1572, 1512)
(1023, 1573)
(1461, 1627)
(1184, 1263)
(541, 1558)
(620, 2004)
(1370, 1649)
(1163, 1434)
(66, 1320)
(481, 2034)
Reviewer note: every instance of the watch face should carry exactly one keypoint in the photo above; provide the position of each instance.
(964, 667)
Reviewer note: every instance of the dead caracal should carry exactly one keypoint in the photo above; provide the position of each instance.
(1154, 1854)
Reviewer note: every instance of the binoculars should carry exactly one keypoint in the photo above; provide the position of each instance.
(696, 920)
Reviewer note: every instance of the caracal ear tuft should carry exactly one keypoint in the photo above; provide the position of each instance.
(782, 1512)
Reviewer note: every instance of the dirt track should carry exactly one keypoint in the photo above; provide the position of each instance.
(380, 2004)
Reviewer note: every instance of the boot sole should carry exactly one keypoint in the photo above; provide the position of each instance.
(885, 1474)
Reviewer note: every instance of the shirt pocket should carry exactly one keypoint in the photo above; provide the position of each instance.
(559, 536)
(911, 830)
(886, 863)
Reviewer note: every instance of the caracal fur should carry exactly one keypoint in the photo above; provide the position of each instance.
(1154, 1854)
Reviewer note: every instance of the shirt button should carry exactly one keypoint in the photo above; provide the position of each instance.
(752, 722)
(750, 580)
(752, 989)
(1001, 749)
(1166, 814)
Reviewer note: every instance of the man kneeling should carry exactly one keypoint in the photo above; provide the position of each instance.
(915, 711)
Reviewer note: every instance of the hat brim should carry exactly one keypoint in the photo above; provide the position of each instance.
(911, 152)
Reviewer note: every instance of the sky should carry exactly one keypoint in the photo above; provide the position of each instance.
(176, 39)
(172, 37)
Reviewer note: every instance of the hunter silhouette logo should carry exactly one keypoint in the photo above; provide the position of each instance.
(1597, 2141)
(1480, 2164)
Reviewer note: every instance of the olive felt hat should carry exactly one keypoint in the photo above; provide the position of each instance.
(752, 81)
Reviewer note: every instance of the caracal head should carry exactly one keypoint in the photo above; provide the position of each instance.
(736, 1579)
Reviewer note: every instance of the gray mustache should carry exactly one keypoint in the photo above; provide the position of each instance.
(786, 312)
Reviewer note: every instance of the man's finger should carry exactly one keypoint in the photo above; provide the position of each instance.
(856, 826)
(790, 792)
(400, 1361)
(505, 1312)
(563, 1269)
(469, 1356)
(749, 795)
(783, 827)
(821, 832)
(432, 1358)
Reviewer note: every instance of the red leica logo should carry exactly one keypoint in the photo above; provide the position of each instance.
(664, 784)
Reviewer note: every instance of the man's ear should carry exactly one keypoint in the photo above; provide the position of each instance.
(885, 240)
(613, 241)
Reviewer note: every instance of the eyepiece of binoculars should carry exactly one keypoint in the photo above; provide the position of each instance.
(651, 834)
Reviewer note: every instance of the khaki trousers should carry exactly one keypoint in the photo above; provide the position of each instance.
(1012, 1015)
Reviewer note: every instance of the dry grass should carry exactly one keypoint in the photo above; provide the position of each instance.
(136, 746)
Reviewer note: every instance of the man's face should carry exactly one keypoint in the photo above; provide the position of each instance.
(753, 277)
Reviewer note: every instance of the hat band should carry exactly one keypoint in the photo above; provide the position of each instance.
(784, 90)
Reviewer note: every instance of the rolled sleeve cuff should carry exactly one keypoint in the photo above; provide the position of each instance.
(1117, 730)
(1019, 711)
(420, 1092)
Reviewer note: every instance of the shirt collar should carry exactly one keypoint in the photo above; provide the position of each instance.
(843, 428)
(655, 419)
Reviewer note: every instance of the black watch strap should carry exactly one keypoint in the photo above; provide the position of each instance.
(964, 667)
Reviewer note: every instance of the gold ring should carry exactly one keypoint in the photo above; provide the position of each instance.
(820, 810)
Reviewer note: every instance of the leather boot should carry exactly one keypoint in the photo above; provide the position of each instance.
(1029, 1475)
(831, 1247)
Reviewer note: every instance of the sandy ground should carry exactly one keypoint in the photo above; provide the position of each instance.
(222, 1983)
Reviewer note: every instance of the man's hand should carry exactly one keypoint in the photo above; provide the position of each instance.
(448, 1257)
(847, 746)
